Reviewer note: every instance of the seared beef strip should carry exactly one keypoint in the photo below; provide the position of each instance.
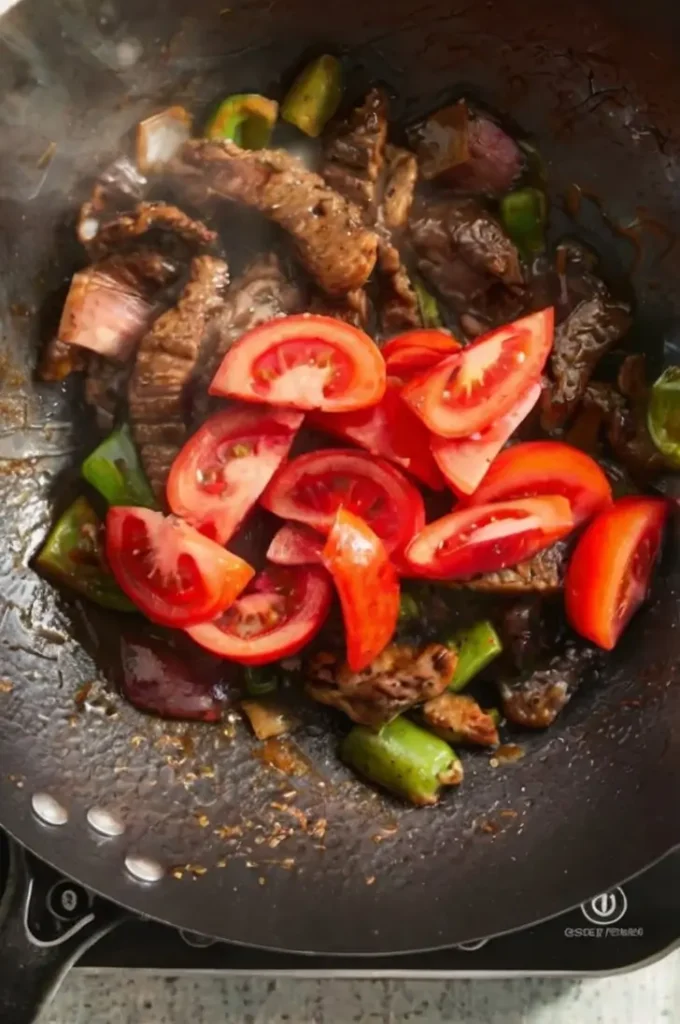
(542, 574)
(146, 217)
(331, 238)
(353, 308)
(166, 359)
(117, 188)
(534, 701)
(458, 718)
(398, 679)
(399, 309)
(401, 175)
(355, 150)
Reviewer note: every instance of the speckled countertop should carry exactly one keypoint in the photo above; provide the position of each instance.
(647, 996)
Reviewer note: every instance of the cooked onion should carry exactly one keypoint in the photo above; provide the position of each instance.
(267, 718)
(102, 315)
(160, 137)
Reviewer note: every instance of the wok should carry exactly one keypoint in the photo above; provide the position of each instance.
(593, 801)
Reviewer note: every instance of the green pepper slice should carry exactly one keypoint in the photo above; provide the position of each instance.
(314, 96)
(428, 307)
(247, 119)
(524, 214)
(476, 648)
(259, 681)
(115, 471)
(663, 416)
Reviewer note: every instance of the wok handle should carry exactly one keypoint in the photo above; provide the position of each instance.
(46, 924)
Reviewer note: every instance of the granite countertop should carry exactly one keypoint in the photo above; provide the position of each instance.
(650, 995)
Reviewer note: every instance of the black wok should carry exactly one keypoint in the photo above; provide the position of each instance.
(594, 799)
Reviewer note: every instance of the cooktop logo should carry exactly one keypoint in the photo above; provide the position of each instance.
(607, 908)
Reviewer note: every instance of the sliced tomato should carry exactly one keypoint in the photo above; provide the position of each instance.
(547, 467)
(609, 573)
(295, 544)
(367, 584)
(410, 354)
(488, 538)
(306, 361)
(311, 489)
(174, 574)
(223, 469)
(471, 389)
(279, 613)
(465, 461)
(388, 429)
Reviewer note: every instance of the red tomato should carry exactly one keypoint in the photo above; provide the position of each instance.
(488, 537)
(295, 544)
(309, 362)
(388, 429)
(223, 469)
(311, 489)
(471, 389)
(412, 353)
(279, 613)
(465, 461)
(547, 467)
(174, 574)
(608, 576)
(367, 584)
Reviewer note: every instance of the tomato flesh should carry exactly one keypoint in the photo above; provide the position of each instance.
(311, 489)
(295, 544)
(304, 361)
(412, 353)
(609, 573)
(488, 538)
(223, 469)
(465, 462)
(469, 390)
(279, 613)
(174, 574)
(367, 584)
(547, 467)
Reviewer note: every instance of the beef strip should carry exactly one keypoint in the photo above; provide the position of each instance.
(166, 359)
(261, 293)
(535, 700)
(354, 153)
(542, 574)
(401, 175)
(353, 308)
(147, 217)
(333, 243)
(398, 308)
(458, 718)
(117, 188)
(398, 679)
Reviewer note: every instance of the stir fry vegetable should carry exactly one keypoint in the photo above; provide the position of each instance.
(72, 555)
(314, 96)
(524, 215)
(664, 415)
(427, 305)
(115, 471)
(476, 648)
(402, 757)
(267, 719)
(247, 119)
(260, 681)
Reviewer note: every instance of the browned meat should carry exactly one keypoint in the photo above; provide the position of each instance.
(328, 230)
(262, 292)
(106, 388)
(401, 175)
(397, 680)
(353, 308)
(118, 188)
(355, 151)
(145, 217)
(543, 574)
(398, 307)
(458, 718)
(536, 700)
(166, 359)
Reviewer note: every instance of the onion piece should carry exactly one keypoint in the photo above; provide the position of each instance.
(104, 315)
(161, 136)
(267, 718)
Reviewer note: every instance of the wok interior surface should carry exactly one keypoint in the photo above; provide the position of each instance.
(593, 799)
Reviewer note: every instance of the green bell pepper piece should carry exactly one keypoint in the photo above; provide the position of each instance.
(247, 119)
(476, 648)
(259, 681)
(409, 609)
(428, 306)
(314, 96)
(663, 416)
(115, 471)
(524, 214)
(72, 555)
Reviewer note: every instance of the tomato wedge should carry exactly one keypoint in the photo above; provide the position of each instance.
(388, 429)
(309, 362)
(174, 574)
(547, 467)
(295, 544)
(465, 461)
(488, 537)
(311, 489)
(367, 584)
(412, 353)
(279, 613)
(472, 388)
(223, 469)
(609, 573)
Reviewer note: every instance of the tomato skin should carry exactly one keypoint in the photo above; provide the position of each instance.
(609, 572)
(488, 538)
(268, 431)
(547, 467)
(311, 488)
(313, 593)
(305, 361)
(367, 584)
(413, 352)
(470, 389)
(388, 429)
(175, 575)
(295, 544)
(465, 462)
